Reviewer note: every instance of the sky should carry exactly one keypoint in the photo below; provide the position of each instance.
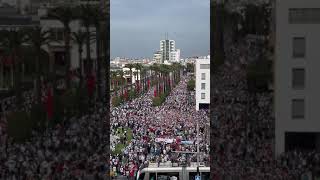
(137, 26)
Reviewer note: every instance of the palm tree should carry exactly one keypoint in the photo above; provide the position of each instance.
(65, 15)
(114, 81)
(130, 66)
(156, 75)
(98, 17)
(138, 68)
(38, 37)
(135, 74)
(2, 74)
(85, 15)
(121, 74)
(143, 76)
(12, 43)
(80, 37)
(105, 51)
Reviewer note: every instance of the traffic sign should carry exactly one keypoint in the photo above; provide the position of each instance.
(197, 178)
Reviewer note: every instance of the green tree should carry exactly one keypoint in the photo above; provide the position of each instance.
(12, 43)
(80, 37)
(191, 85)
(38, 37)
(85, 15)
(65, 15)
(97, 19)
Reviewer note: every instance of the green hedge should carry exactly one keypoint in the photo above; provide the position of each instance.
(20, 126)
(120, 147)
(132, 94)
(191, 85)
(157, 101)
(116, 101)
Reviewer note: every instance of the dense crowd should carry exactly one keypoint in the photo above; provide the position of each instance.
(159, 131)
(75, 149)
(243, 135)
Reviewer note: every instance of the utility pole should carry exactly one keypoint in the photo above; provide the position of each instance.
(198, 148)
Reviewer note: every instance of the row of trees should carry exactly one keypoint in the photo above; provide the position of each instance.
(160, 76)
(16, 43)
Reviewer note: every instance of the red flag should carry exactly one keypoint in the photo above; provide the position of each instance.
(49, 104)
(126, 94)
(138, 86)
(155, 92)
(7, 60)
(90, 84)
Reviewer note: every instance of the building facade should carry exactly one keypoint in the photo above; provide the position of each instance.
(297, 96)
(202, 83)
(167, 47)
(157, 57)
(10, 19)
(175, 56)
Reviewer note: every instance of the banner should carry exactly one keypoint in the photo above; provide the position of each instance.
(187, 142)
(155, 92)
(90, 84)
(169, 141)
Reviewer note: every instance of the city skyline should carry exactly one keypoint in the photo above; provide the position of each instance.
(137, 32)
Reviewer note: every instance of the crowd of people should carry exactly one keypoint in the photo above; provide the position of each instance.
(159, 131)
(243, 134)
(75, 149)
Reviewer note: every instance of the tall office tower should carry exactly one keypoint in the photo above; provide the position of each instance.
(167, 47)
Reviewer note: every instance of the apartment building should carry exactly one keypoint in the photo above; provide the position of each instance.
(202, 73)
(296, 88)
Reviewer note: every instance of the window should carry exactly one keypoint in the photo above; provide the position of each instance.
(204, 66)
(203, 95)
(298, 108)
(299, 47)
(298, 78)
(304, 16)
(152, 176)
(203, 85)
(141, 177)
(203, 76)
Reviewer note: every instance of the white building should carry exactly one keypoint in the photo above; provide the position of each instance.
(175, 56)
(166, 47)
(157, 57)
(135, 74)
(202, 83)
(57, 50)
(297, 96)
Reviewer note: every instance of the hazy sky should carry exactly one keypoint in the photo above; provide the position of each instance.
(137, 26)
